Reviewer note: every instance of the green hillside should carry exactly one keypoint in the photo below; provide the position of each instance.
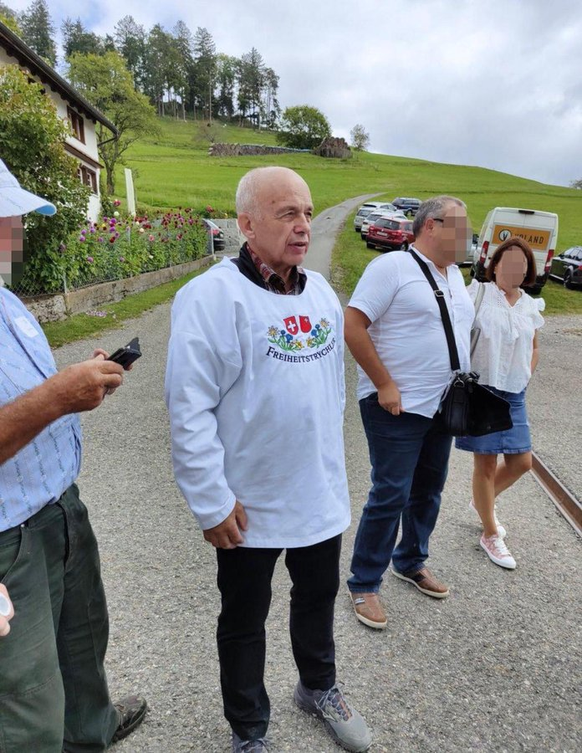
(175, 170)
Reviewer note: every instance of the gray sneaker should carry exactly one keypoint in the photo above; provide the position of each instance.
(249, 746)
(344, 723)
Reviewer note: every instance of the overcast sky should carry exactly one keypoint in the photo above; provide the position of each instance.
(495, 83)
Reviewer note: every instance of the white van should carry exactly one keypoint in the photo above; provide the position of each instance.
(539, 229)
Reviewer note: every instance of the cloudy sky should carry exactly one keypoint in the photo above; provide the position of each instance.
(494, 83)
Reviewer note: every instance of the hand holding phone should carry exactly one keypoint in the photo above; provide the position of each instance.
(127, 355)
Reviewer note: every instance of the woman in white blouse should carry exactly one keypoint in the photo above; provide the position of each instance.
(505, 356)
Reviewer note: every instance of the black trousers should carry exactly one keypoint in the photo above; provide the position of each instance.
(244, 580)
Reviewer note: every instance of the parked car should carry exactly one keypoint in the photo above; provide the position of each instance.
(217, 235)
(368, 208)
(407, 205)
(536, 227)
(389, 233)
(471, 252)
(361, 215)
(567, 267)
(373, 216)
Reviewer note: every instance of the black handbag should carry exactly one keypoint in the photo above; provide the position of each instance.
(467, 408)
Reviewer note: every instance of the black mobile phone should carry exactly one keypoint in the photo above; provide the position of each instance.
(128, 354)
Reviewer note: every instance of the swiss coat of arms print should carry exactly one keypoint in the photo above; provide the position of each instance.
(298, 334)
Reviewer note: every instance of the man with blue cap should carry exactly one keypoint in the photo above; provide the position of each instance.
(53, 689)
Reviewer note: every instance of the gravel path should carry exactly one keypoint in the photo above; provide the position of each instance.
(496, 667)
(554, 401)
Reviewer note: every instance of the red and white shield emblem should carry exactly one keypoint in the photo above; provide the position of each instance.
(305, 324)
(291, 325)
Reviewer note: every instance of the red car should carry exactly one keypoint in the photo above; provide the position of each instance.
(389, 234)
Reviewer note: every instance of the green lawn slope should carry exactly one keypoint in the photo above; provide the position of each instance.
(174, 169)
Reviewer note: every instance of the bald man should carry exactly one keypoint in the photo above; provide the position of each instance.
(255, 390)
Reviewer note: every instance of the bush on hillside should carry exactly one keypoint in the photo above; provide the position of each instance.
(303, 127)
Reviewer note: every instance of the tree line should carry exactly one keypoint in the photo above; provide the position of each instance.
(179, 71)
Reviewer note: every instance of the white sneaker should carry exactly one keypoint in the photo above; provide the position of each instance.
(500, 529)
(497, 551)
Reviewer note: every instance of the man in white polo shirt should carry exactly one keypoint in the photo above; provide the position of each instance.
(395, 332)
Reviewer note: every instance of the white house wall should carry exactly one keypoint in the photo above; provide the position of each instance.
(89, 148)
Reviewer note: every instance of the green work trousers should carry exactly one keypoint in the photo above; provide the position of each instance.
(53, 689)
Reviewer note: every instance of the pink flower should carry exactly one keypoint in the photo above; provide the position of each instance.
(90, 259)
(82, 238)
(116, 202)
(122, 258)
(151, 238)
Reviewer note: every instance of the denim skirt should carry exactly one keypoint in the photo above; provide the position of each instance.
(510, 442)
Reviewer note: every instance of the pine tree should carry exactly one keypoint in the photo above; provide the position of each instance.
(205, 68)
(156, 63)
(184, 45)
(270, 104)
(130, 42)
(250, 85)
(76, 38)
(38, 30)
(226, 72)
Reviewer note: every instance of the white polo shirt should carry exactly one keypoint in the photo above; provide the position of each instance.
(407, 328)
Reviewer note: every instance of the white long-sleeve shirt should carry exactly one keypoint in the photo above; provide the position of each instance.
(255, 391)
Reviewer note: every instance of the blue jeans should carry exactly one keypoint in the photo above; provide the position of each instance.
(409, 458)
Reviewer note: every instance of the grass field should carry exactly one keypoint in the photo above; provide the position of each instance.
(351, 256)
(174, 170)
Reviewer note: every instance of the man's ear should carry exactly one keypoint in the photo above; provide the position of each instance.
(246, 225)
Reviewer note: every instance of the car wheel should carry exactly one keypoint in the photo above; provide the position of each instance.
(403, 246)
(370, 245)
(362, 236)
(568, 279)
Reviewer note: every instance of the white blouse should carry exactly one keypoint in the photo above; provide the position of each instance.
(504, 349)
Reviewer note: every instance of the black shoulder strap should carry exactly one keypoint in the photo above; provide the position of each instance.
(440, 298)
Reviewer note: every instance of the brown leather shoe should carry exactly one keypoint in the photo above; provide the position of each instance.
(425, 581)
(132, 710)
(369, 610)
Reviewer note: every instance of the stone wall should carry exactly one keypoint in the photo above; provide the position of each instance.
(330, 147)
(248, 150)
(52, 308)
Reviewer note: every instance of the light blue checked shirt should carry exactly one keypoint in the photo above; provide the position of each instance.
(40, 473)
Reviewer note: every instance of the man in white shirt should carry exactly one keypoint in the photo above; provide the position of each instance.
(255, 391)
(395, 332)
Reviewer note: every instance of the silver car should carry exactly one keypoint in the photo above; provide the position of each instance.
(364, 211)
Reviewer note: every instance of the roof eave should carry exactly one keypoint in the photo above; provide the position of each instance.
(16, 48)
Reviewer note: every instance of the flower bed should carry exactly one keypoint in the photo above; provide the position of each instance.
(115, 247)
